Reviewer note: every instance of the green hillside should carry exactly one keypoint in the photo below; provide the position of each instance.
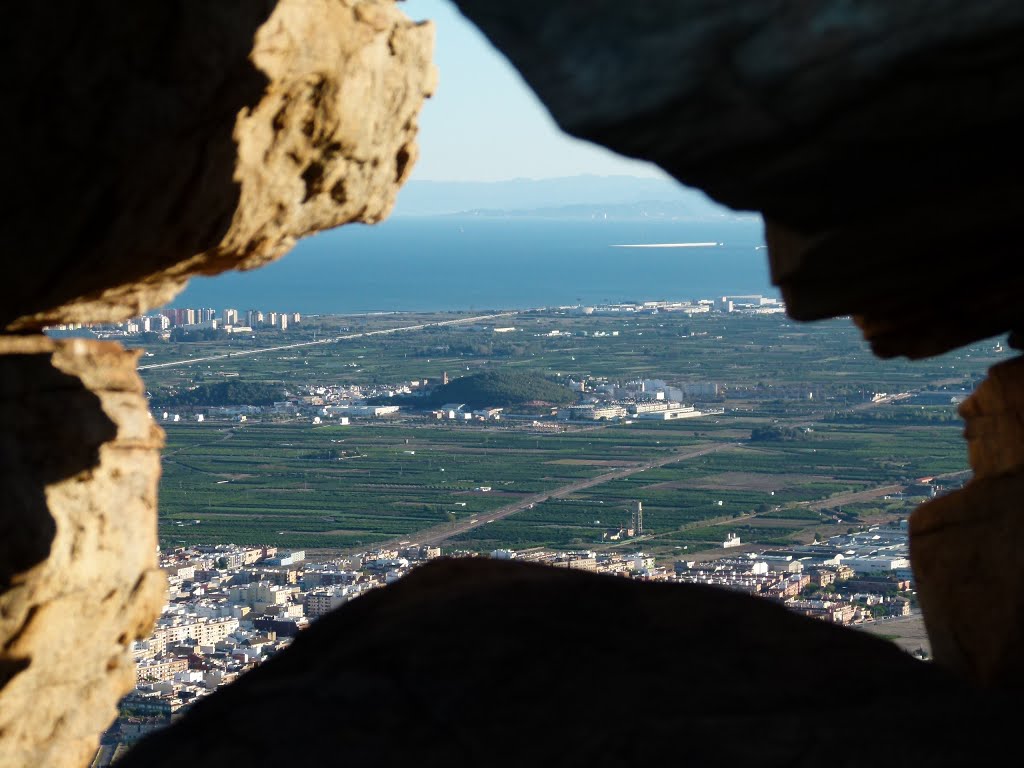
(502, 389)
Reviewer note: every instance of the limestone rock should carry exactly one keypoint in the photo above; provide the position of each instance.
(880, 140)
(79, 459)
(994, 420)
(478, 662)
(163, 140)
(965, 549)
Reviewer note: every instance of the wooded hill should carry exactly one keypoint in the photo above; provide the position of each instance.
(501, 389)
(224, 393)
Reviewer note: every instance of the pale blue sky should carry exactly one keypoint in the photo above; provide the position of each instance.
(485, 124)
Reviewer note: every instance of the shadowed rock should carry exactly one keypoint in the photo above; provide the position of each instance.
(79, 464)
(156, 141)
(880, 140)
(477, 662)
(966, 546)
(150, 142)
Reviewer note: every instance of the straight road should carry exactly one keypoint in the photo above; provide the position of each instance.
(330, 340)
(438, 534)
(852, 497)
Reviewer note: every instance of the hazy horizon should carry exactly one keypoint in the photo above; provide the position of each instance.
(438, 196)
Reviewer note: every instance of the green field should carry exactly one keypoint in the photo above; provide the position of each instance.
(334, 486)
(745, 480)
(287, 482)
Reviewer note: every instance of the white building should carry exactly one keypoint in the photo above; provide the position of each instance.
(651, 406)
(592, 412)
(872, 564)
(642, 563)
(203, 631)
(668, 414)
(367, 410)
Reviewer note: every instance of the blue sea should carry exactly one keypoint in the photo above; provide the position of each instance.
(475, 263)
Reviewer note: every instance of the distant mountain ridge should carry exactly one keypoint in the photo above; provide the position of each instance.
(564, 197)
(647, 210)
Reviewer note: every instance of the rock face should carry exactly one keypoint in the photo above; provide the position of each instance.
(187, 137)
(478, 662)
(79, 458)
(966, 547)
(966, 553)
(151, 142)
(881, 142)
(877, 138)
(994, 421)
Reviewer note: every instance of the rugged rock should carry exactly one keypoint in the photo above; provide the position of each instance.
(163, 140)
(966, 552)
(880, 140)
(965, 547)
(151, 142)
(478, 662)
(79, 459)
(994, 421)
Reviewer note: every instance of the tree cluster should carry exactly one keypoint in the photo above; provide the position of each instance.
(227, 393)
(776, 434)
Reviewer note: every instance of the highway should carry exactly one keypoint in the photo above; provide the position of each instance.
(329, 340)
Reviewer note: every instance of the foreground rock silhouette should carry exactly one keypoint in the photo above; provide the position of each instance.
(881, 143)
(151, 142)
(879, 139)
(162, 140)
(480, 662)
(79, 465)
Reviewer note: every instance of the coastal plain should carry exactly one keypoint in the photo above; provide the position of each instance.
(850, 456)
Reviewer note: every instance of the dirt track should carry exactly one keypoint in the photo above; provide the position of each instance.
(438, 534)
